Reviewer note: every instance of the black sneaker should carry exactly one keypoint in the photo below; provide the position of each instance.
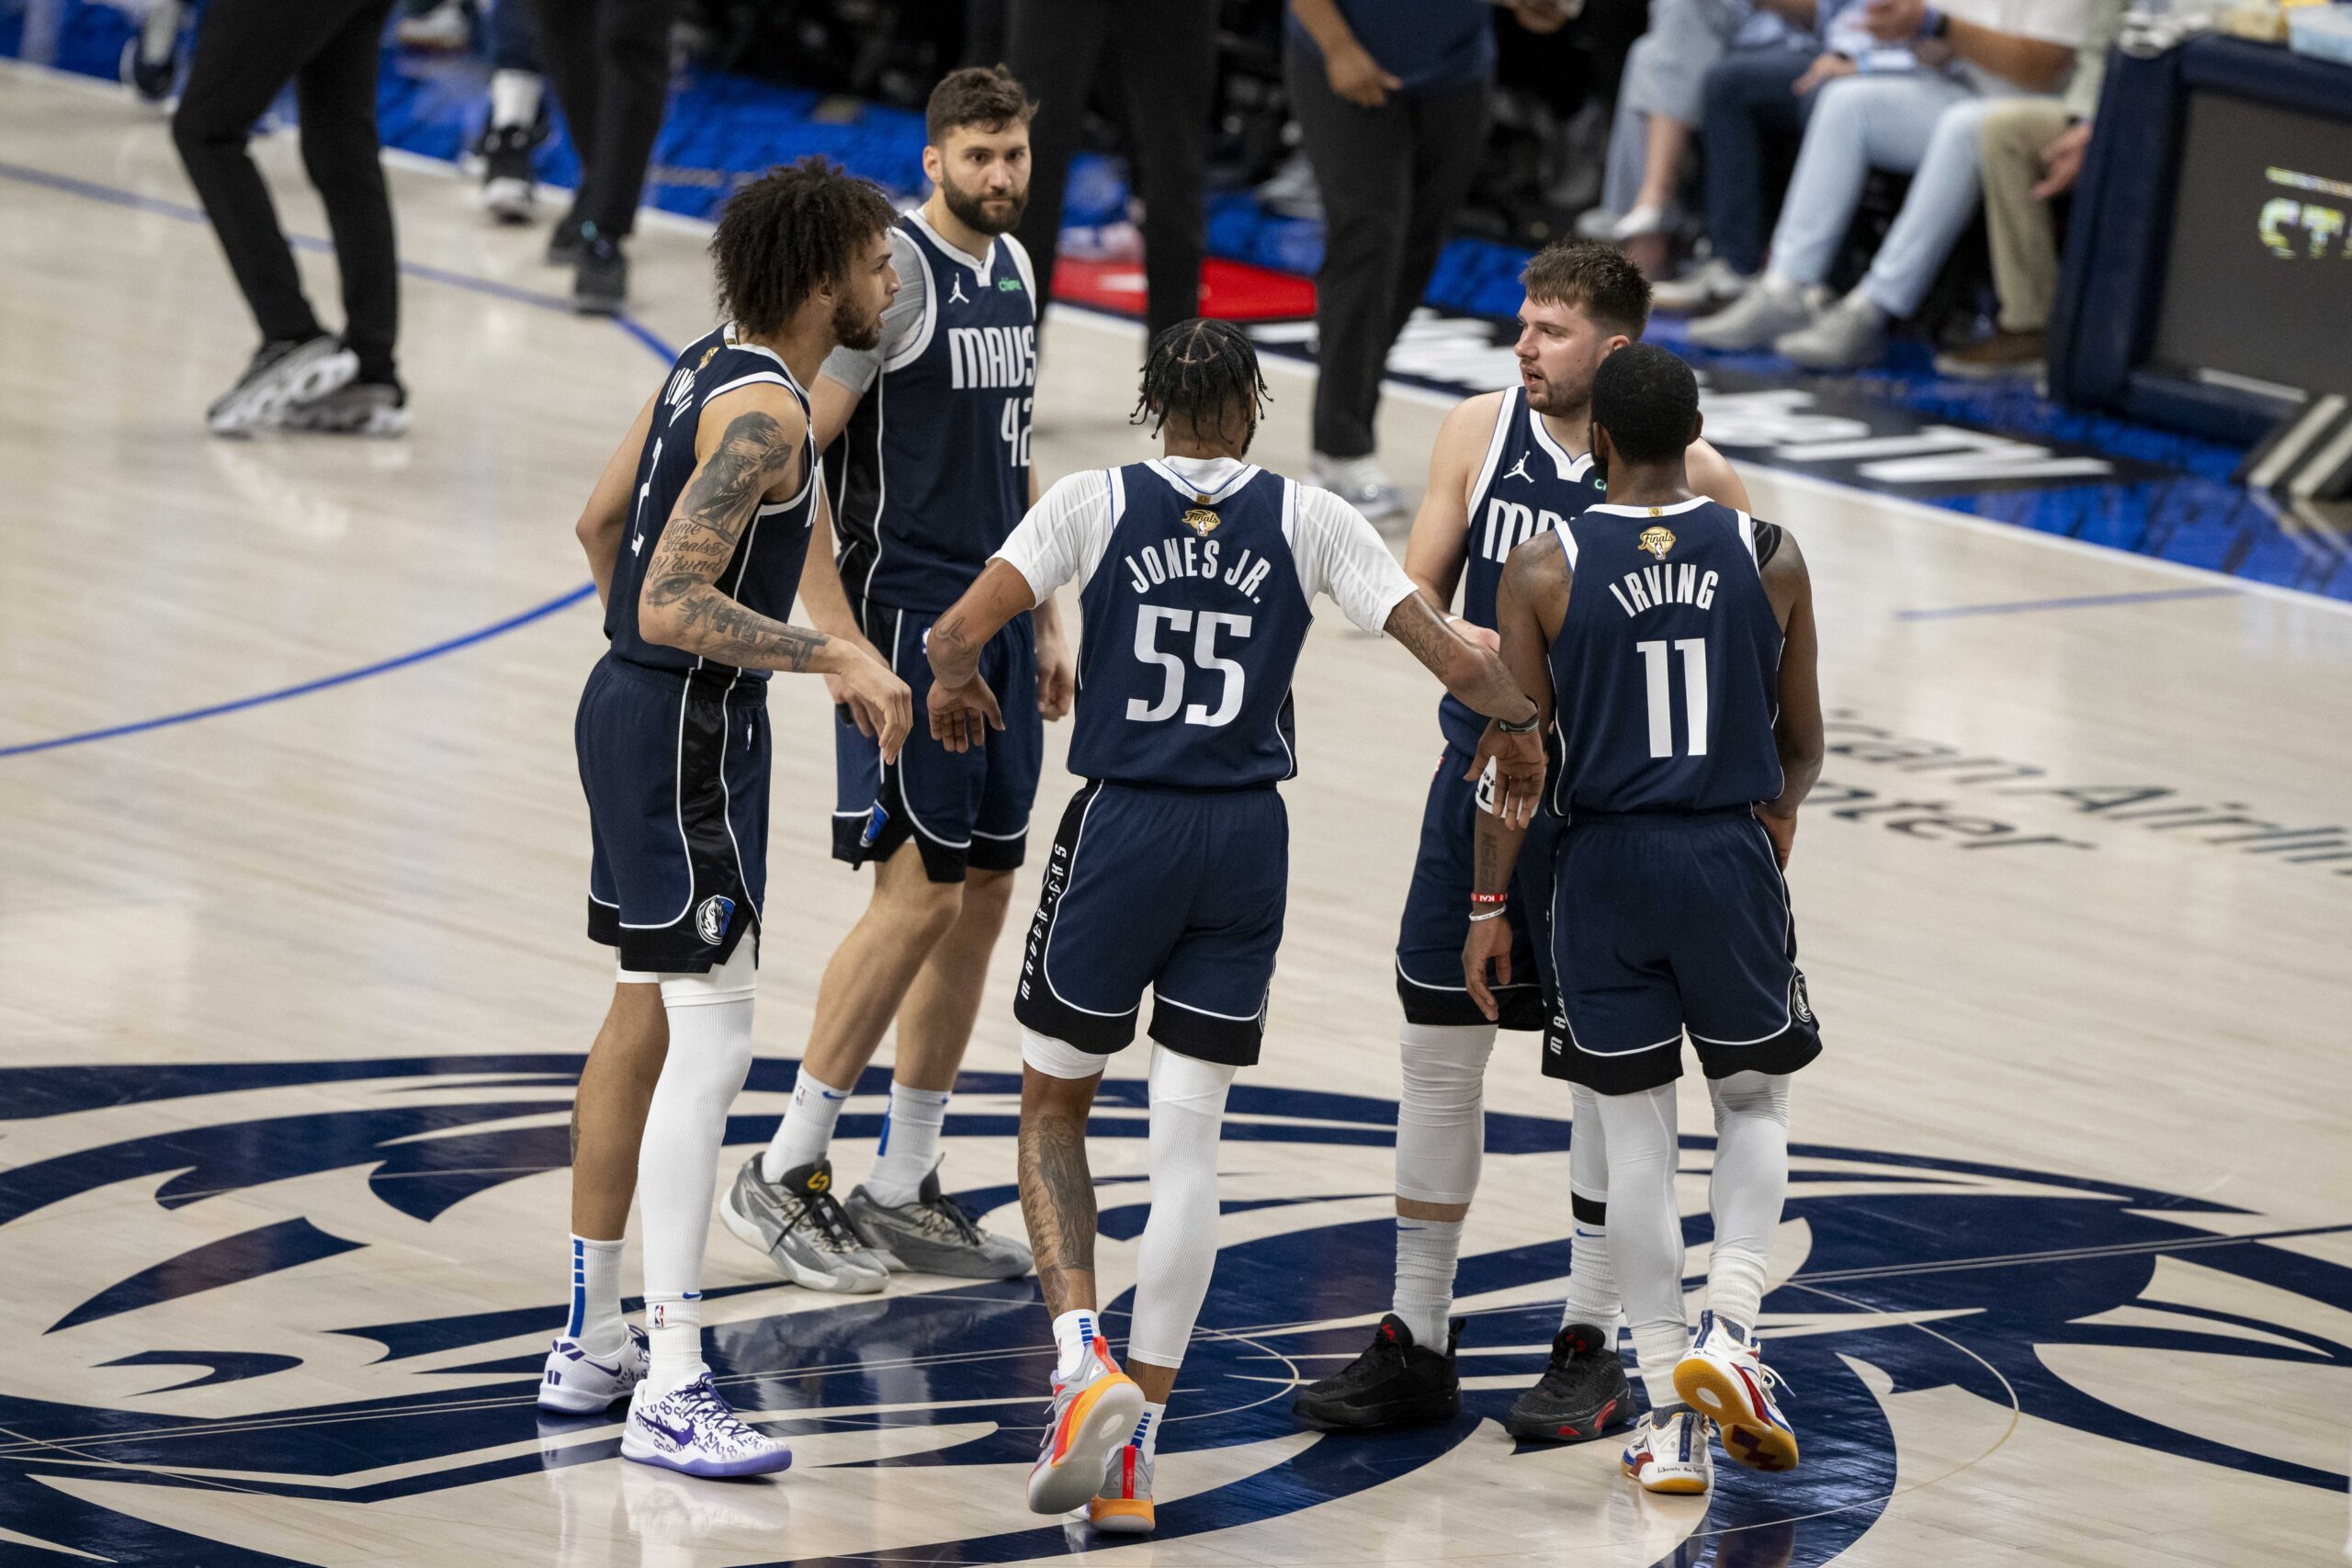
(600, 285)
(1583, 1394)
(507, 187)
(568, 239)
(1394, 1383)
(282, 373)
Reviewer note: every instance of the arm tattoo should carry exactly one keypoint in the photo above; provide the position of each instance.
(1058, 1201)
(701, 538)
(1419, 628)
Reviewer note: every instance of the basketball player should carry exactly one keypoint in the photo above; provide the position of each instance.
(1507, 464)
(934, 472)
(696, 534)
(1669, 639)
(1195, 575)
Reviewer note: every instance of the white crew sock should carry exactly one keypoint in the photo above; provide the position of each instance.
(808, 1127)
(1147, 1436)
(1751, 1179)
(596, 1298)
(910, 1145)
(673, 1323)
(513, 98)
(1426, 1253)
(1592, 1280)
(1075, 1333)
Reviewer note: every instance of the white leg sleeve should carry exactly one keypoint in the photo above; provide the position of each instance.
(1646, 1231)
(1441, 1115)
(1059, 1059)
(711, 1053)
(1179, 1245)
(1592, 1280)
(1751, 1178)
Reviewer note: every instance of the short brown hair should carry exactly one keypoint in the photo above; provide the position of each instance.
(984, 95)
(790, 233)
(1593, 278)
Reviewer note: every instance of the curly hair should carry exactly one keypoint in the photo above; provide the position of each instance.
(1647, 400)
(1206, 371)
(788, 234)
(1593, 278)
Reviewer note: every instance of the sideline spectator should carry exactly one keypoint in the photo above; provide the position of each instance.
(518, 121)
(2033, 150)
(1167, 58)
(1392, 98)
(300, 377)
(1925, 122)
(608, 62)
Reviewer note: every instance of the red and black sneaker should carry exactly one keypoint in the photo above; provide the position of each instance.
(1583, 1394)
(1394, 1383)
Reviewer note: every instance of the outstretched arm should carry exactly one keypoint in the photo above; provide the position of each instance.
(605, 517)
(830, 611)
(1474, 674)
(1798, 730)
(1530, 604)
(961, 702)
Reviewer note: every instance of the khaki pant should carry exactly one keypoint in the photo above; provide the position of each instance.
(2024, 242)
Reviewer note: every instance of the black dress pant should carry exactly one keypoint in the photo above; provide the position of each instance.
(1166, 56)
(608, 62)
(245, 51)
(1391, 179)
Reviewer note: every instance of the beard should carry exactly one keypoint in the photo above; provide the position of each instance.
(1558, 400)
(973, 211)
(854, 329)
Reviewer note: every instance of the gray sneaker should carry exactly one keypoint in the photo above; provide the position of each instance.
(1847, 336)
(799, 1224)
(935, 1235)
(1770, 309)
(1361, 483)
(377, 409)
(282, 374)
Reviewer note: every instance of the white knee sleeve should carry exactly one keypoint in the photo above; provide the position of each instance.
(1751, 1182)
(1441, 1115)
(1059, 1059)
(1645, 1230)
(711, 1053)
(1179, 1246)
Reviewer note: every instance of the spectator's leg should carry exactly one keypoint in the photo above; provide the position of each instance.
(515, 81)
(1859, 123)
(1746, 97)
(1944, 196)
(1620, 176)
(245, 51)
(1362, 160)
(633, 49)
(1168, 61)
(569, 59)
(1448, 143)
(335, 91)
(2024, 241)
(1052, 47)
(1663, 79)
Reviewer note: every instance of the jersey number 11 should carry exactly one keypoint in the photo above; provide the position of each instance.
(1660, 677)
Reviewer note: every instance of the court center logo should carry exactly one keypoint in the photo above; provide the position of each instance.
(264, 1200)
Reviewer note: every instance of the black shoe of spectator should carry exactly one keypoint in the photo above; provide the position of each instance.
(600, 287)
(1394, 1383)
(507, 187)
(360, 407)
(569, 238)
(1583, 1393)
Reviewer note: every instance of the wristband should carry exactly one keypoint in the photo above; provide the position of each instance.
(1493, 914)
(1491, 898)
(1933, 23)
(1534, 719)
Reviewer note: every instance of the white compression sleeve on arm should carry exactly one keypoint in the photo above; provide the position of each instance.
(1646, 1231)
(1179, 1246)
(1750, 1180)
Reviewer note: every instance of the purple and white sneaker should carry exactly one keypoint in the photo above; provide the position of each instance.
(578, 1384)
(693, 1429)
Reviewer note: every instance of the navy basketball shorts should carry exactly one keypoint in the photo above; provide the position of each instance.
(1665, 925)
(676, 772)
(968, 809)
(1437, 911)
(1179, 890)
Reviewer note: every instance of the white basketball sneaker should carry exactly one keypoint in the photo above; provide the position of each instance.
(1672, 1457)
(693, 1429)
(1093, 1412)
(577, 1383)
(1723, 1378)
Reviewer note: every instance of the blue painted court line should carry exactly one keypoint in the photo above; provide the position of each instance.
(117, 197)
(2085, 602)
(563, 601)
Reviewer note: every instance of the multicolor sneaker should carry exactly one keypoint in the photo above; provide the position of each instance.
(1723, 1378)
(1122, 1503)
(1583, 1393)
(694, 1431)
(1094, 1413)
(578, 1384)
(799, 1224)
(1671, 1456)
(935, 1235)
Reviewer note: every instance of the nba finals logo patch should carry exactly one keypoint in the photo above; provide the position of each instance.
(707, 355)
(1201, 521)
(713, 917)
(1657, 541)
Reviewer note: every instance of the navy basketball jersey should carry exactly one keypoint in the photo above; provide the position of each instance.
(1195, 618)
(1665, 675)
(933, 469)
(765, 573)
(1527, 485)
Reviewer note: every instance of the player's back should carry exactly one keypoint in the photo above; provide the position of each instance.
(1665, 672)
(1195, 618)
(763, 575)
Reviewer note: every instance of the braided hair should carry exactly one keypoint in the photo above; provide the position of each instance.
(1202, 372)
(788, 234)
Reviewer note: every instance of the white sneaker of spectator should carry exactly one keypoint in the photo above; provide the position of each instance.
(1847, 336)
(1362, 483)
(1704, 287)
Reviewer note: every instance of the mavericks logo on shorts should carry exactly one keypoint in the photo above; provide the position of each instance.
(712, 918)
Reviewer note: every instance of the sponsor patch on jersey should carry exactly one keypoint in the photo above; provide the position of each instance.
(1201, 521)
(713, 917)
(1008, 285)
(1658, 540)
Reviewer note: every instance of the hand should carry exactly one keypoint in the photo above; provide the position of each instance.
(851, 705)
(1057, 678)
(2062, 162)
(1824, 68)
(1356, 76)
(1782, 830)
(1476, 635)
(1519, 773)
(1545, 15)
(1894, 22)
(878, 699)
(961, 716)
(1489, 941)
